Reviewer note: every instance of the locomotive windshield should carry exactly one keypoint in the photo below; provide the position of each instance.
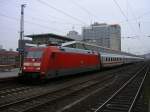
(34, 54)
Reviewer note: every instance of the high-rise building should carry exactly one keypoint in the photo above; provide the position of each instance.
(1, 47)
(103, 34)
(74, 35)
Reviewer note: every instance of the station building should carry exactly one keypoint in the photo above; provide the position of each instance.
(40, 39)
(48, 38)
(9, 58)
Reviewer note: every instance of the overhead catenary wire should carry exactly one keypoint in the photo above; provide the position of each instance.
(134, 16)
(52, 21)
(55, 19)
(48, 14)
(120, 10)
(84, 9)
(138, 25)
(61, 11)
(124, 15)
(28, 22)
(143, 15)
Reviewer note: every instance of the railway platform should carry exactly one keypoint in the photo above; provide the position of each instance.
(9, 74)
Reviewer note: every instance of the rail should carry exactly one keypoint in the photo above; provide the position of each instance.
(104, 105)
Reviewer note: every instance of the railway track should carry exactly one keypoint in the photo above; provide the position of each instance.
(53, 105)
(11, 91)
(34, 101)
(7, 79)
(14, 87)
(43, 96)
(108, 100)
(125, 98)
(18, 92)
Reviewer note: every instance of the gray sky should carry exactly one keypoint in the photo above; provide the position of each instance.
(59, 16)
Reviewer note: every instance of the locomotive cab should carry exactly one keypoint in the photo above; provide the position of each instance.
(32, 63)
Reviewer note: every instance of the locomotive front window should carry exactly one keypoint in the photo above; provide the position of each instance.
(34, 54)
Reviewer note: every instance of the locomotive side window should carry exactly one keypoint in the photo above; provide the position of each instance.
(71, 46)
(79, 46)
(89, 47)
(102, 58)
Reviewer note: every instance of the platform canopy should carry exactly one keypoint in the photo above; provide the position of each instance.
(48, 38)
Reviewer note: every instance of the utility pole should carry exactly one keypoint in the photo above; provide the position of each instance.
(22, 23)
(21, 46)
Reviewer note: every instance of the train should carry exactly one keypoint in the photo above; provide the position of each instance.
(71, 58)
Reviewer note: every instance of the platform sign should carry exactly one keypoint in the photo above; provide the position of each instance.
(20, 50)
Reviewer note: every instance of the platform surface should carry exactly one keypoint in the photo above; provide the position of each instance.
(7, 74)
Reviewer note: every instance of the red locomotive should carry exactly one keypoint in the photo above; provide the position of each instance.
(70, 58)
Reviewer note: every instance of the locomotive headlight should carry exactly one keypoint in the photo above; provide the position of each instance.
(24, 68)
(27, 64)
(38, 68)
(36, 64)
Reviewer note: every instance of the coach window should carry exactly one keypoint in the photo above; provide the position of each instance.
(103, 58)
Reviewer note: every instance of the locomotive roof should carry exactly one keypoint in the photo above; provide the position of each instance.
(103, 50)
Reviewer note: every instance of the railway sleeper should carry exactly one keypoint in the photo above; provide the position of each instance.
(118, 108)
(118, 103)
